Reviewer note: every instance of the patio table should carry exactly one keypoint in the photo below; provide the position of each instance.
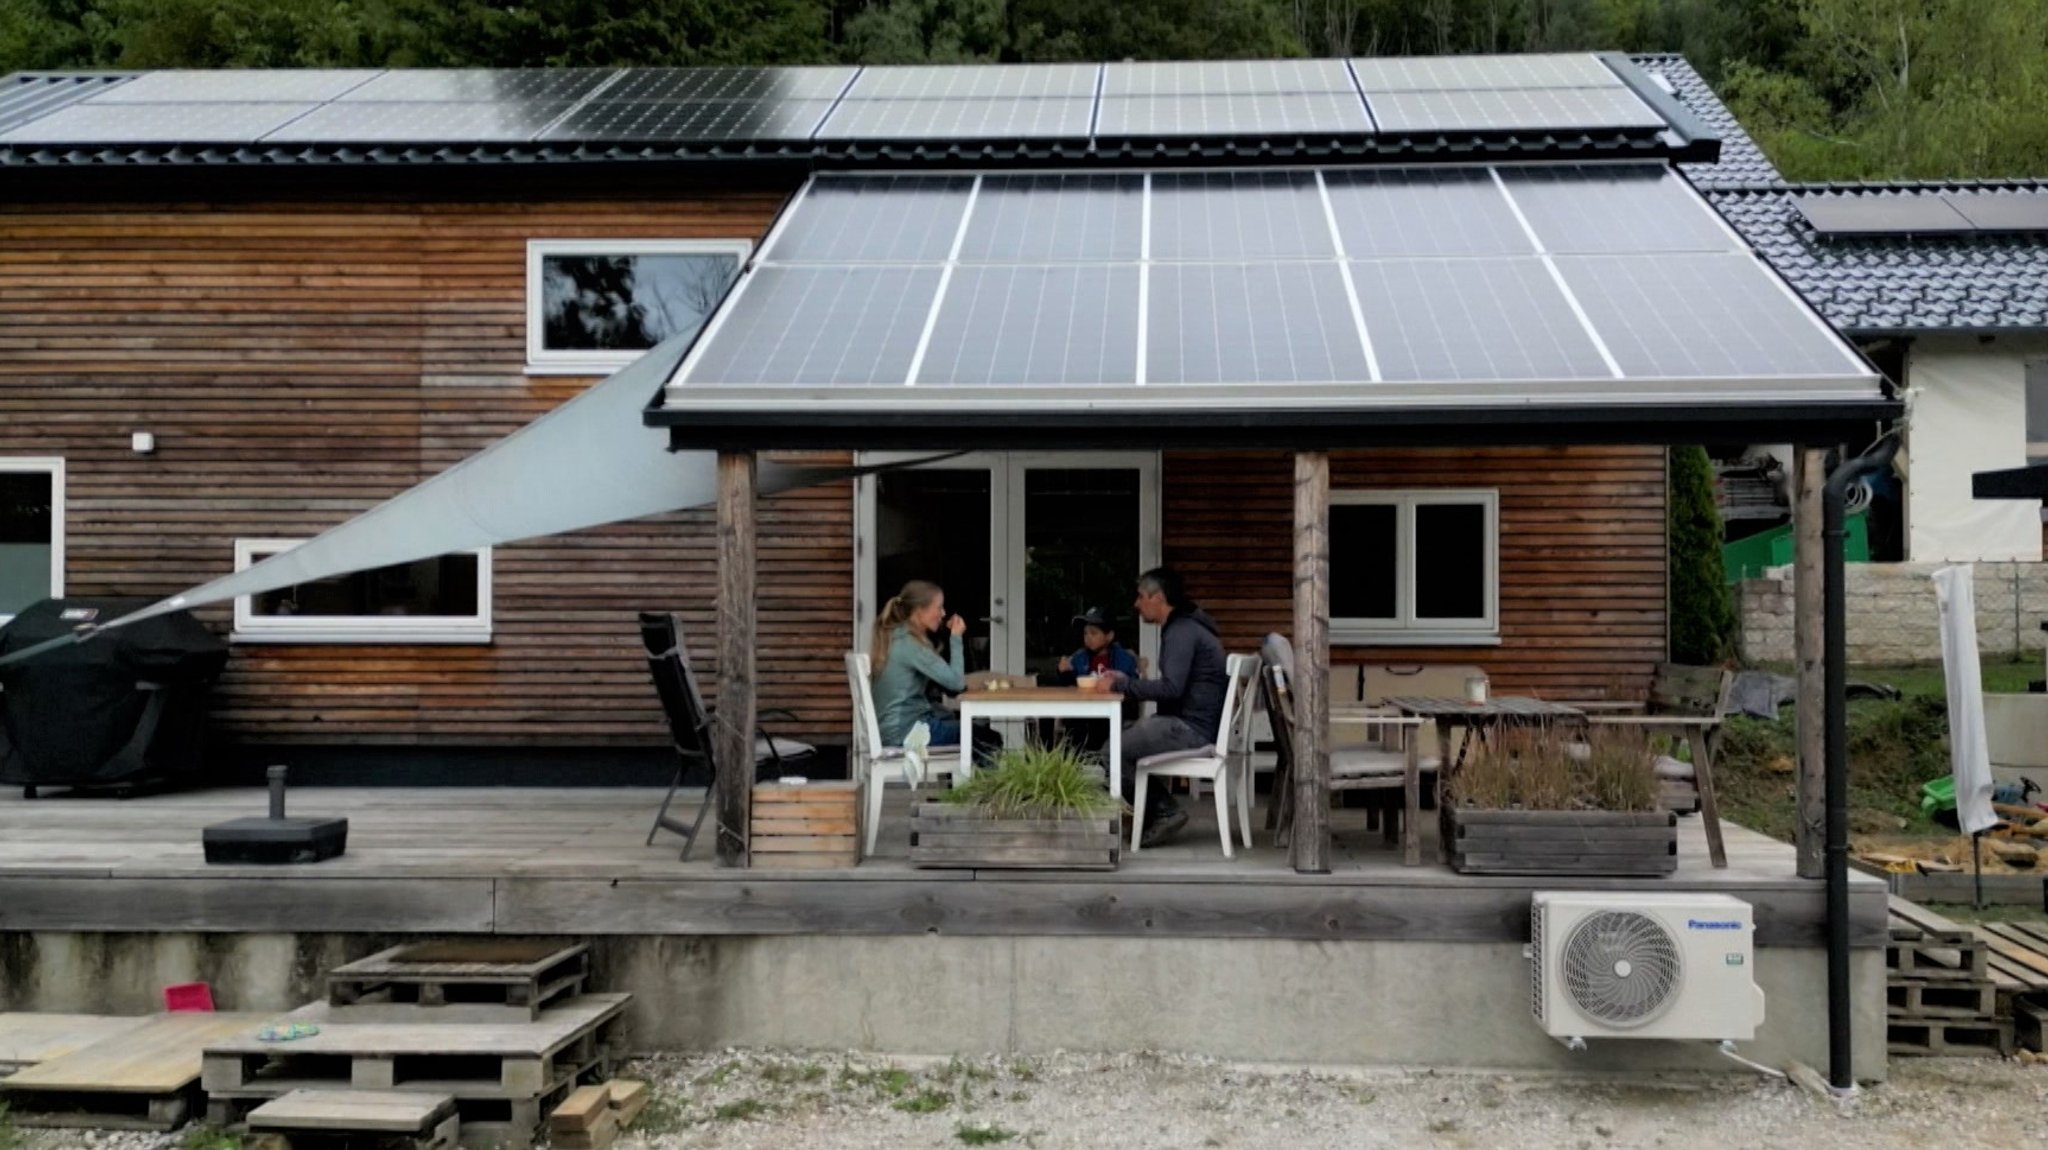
(1051, 703)
(1474, 719)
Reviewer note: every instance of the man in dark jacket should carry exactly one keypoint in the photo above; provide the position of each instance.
(1188, 692)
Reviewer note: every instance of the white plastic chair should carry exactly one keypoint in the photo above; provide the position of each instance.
(1226, 768)
(874, 765)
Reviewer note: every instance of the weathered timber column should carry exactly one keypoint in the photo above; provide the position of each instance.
(732, 733)
(1310, 845)
(1809, 474)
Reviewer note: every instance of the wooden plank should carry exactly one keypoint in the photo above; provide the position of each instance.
(355, 1111)
(556, 1028)
(1309, 840)
(732, 735)
(370, 905)
(581, 1109)
(1593, 822)
(629, 1096)
(160, 1057)
(843, 825)
(26, 1039)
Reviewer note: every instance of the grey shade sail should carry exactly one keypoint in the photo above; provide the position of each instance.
(897, 299)
(589, 462)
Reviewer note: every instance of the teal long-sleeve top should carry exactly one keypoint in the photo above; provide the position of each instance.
(900, 702)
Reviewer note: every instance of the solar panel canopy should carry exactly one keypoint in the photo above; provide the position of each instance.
(1256, 291)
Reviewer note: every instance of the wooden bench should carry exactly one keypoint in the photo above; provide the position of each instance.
(1689, 703)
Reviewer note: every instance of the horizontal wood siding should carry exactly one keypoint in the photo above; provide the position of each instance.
(1582, 583)
(300, 363)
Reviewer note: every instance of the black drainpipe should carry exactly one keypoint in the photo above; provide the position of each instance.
(1841, 1072)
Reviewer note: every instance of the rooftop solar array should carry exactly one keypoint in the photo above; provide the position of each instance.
(1222, 289)
(1927, 212)
(1061, 106)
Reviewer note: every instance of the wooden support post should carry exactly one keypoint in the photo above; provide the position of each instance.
(732, 733)
(1310, 845)
(1809, 473)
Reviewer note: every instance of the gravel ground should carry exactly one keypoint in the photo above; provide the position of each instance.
(743, 1100)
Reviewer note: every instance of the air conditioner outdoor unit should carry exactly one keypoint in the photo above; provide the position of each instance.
(1643, 966)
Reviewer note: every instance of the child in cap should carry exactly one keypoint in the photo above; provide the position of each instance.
(1099, 649)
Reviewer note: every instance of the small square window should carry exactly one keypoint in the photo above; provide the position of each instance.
(446, 599)
(31, 532)
(1417, 568)
(596, 305)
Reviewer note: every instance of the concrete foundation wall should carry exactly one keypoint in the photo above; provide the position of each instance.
(1892, 616)
(1312, 1003)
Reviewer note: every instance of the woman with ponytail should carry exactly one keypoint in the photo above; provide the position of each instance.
(905, 664)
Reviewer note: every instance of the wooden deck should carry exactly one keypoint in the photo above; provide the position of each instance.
(570, 862)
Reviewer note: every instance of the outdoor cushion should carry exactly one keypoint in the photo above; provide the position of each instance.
(897, 752)
(1366, 764)
(1278, 652)
(768, 747)
(1164, 757)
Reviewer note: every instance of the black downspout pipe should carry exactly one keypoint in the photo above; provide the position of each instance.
(1841, 1070)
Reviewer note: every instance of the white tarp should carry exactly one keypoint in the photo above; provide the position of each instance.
(1969, 415)
(1968, 747)
(589, 462)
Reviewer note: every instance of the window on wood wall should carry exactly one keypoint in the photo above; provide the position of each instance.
(441, 600)
(31, 532)
(595, 305)
(1415, 567)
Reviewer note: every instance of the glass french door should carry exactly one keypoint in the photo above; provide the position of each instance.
(1021, 543)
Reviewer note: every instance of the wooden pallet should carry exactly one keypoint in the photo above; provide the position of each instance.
(1928, 948)
(1944, 1000)
(28, 1039)
(1949, 1037)
(810, 827)
(483, 1123)
(468, 981)
(468, 1060)
(139, 1079)
(306, 1119)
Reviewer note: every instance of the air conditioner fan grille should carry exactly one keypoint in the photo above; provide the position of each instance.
(1621, 968)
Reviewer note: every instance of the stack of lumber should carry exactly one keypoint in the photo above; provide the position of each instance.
(1965, 989)
(110, 1073)
(591, 1118)
(501, 1031)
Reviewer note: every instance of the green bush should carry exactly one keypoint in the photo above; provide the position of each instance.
(1702, 618)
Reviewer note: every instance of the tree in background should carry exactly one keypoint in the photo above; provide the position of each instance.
(1702, 618)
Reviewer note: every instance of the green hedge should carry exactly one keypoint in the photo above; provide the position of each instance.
(1702, 617)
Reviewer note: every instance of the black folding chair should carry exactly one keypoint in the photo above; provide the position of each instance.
(689, 724)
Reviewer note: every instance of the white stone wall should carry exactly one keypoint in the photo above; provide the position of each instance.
(1891, 612)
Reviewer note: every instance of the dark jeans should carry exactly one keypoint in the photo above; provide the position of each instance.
(946, 733)
(1156, 736)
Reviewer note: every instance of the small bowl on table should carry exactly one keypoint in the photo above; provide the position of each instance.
(1087, 682)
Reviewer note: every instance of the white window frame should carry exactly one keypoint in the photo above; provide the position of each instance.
(369, 629)
(1406, 629)
(541, 360)
(53, 466)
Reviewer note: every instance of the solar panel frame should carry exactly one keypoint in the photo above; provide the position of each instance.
(669, 85)
(1225, 78)
(691, 121)
(1319, 113)
(479, 85)
(421, 122)
(1512, 109)
(1211, 217)
(999, 118)
(240, 86)
(786, 327)
(1614, 208)
(873, 219)
(1469, 73)
(1491, 320)
(199, 123)
(974, 82)
(1881, 215)
(1410, 212)
(1263, 323)
(1701, 315)
(1082, 329)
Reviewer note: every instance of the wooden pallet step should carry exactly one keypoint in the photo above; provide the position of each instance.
(2023, 949)
(1948, 1038)
(1916, 951)
(2030, 1025)
(306, 1119)
(484, 1123)
(475, 972)
(1943, 999)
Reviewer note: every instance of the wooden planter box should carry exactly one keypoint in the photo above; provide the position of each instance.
(812, 827)
(1564, 842)
(951, 835)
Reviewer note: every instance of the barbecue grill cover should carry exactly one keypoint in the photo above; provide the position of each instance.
(80, 713)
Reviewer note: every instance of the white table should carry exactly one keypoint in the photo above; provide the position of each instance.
(1048, 703)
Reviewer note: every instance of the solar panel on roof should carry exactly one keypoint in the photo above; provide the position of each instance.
(251, 85)
(893, 219)
(974, 82)
(1225, 78)
(1251, 324)
(1238, 215)
(1876, 215)
(692, 120)
(820, 325)
(1423, 212)
(1483, 319)
(1312, 112)
(2002, 211)
(1511, 109)
(1056, 219)
(1068, 324)
(666, 84)
(480, 85)
(156, 124)
(1465, 73)
(1700, 316)
(1013, 118)
(421, 122)
(1614, 208)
